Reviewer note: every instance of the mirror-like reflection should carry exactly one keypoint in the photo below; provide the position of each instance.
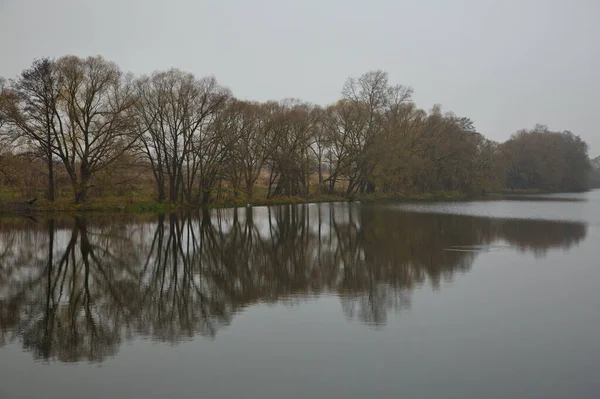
(76, 289)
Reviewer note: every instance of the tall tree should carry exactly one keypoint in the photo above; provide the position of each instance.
(291, 125)
(373, 95)
(95, 118)
(30, 107)
(253, 145)
(174, 111)
(211, 151)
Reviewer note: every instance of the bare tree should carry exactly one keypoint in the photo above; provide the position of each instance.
(372, 94)
(345, 124)
(174, 111)
(212, 145)
(253, 145)
(320, 146)
(30, 106)
(86, 121)
(95, 110)
(291, 126)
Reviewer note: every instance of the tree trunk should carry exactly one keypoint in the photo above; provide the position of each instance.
(206, 197)
(332, 182)
(249, 189)
(370, 187)
(80, 194)
(172, 188)
(269, 193)
(320, 187)
(51, 190)
(160, 188)
(236, 183)
(80, 187)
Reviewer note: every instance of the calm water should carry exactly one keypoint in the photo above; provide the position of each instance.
(489, 299)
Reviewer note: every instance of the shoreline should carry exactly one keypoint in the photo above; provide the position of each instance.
(65, 207)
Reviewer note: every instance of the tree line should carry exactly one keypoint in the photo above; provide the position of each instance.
(87, 128)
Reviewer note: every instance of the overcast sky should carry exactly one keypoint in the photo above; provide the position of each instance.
(506, 64)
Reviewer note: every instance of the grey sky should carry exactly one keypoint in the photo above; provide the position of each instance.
(506, 64)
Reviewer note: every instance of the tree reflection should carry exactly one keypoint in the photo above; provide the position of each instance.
(86, 301)
(73, 290)
(176, 300)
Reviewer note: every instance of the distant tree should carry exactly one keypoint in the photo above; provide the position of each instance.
(542, 159)
(595, 173)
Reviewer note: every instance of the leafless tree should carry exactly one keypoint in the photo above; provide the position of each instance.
(253, 145)
(96, 127)
(30, 109)
(291, 126)
(175, 111)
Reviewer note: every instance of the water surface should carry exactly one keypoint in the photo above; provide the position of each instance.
(494, 299)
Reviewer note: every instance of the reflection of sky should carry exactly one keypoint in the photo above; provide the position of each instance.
(317, 213)
(585, 210)
(24, 254)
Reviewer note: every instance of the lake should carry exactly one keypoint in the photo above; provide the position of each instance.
(479, 299)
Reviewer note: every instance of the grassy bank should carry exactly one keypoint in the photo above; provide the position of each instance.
(144, 203)
(117, 204)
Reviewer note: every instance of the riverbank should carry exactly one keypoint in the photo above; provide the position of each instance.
(116, 204)
(121, 205)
